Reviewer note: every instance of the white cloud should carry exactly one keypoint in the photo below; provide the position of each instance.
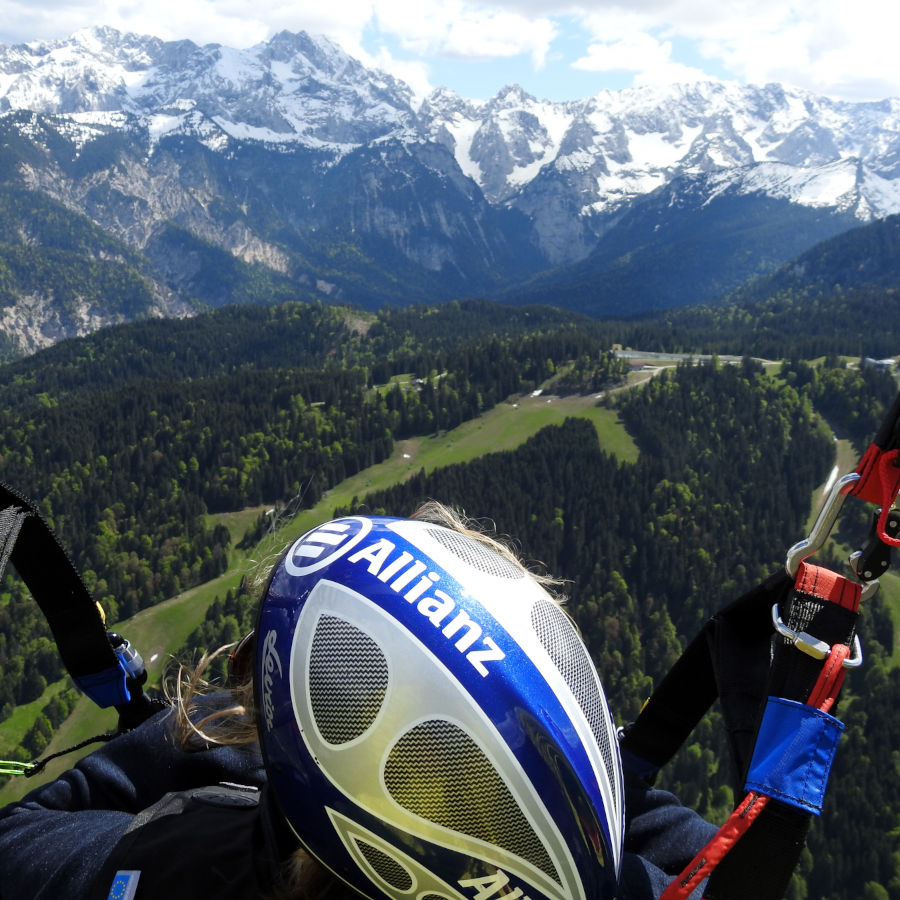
(415, 73)
(466, 30)
(827, 46)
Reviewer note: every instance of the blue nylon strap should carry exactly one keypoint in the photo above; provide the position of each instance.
(107, 687)
(794, 751)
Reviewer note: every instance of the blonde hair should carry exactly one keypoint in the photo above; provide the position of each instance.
(302, 878)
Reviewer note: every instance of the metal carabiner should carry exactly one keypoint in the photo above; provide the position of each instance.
(823, 524)
(812, 646)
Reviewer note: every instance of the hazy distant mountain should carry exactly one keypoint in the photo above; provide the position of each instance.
(864, 258)
(291, 167)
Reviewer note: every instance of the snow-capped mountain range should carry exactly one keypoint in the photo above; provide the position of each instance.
(531, 184)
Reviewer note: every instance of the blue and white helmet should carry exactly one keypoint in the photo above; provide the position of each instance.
(432, 725)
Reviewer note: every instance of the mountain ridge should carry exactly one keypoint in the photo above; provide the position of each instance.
(308, 169)
(275, 92)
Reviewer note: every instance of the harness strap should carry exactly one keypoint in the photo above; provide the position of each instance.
(879, 471)
(822, 609)
(823, 604)
(728, 659)
(75, 620)
(103, 665)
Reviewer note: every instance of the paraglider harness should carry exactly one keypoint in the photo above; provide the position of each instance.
(102, 663)
(775, 658)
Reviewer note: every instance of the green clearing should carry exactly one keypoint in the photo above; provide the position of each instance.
(160, 631)
(157, 633)
(17, 725)
(890, 587)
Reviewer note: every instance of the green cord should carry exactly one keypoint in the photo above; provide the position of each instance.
(12, 767)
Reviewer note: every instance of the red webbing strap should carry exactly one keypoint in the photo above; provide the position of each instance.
(828, 586)
(879, 470)
(879, 483)
(715, 851)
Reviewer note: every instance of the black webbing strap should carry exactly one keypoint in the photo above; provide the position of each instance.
(729, 660)
(888, 436)
(75, 620)
(760, 865)
(733, 659)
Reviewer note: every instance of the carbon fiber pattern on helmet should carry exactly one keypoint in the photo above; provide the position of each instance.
(434, 897)
(348, 679)
(386, 867)
(437, 772)
(476, 554)
(562, 643)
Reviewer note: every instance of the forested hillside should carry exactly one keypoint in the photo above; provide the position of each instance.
(729, 459)
(853, 322)
(130, 438)
(840, 297)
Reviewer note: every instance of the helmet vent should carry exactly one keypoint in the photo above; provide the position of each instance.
(436, 771)
(385, 867)
(476, 554)
(348, 679)
(565, 647)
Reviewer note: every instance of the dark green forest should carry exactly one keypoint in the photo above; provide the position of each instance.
(728, 461)
(840, 297)
(129, 438)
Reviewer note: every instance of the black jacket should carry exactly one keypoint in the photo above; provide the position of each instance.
(143, 803)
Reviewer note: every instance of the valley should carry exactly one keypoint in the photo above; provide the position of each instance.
(162, 630)
(243, 291)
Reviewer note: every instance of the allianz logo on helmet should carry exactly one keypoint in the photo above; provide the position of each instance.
(327, 542)
(405, 575)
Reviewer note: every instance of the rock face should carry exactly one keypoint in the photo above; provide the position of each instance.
(292, 163)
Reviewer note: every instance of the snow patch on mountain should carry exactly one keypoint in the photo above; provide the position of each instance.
(583, 159)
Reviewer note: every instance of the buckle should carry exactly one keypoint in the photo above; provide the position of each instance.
(812, 646)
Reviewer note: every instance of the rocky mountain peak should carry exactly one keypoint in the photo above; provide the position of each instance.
(292, 150)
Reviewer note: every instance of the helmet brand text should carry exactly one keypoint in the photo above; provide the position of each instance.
(270, 662)
(410, 579)
(492, 886)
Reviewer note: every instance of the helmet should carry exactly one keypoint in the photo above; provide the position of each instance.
(431, 723)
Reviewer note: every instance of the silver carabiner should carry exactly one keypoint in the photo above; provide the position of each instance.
(812, 646)
(823, 524)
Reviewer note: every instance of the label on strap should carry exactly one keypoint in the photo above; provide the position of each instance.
(124, 885)
(794, 751)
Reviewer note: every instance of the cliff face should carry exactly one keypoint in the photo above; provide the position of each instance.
(290, 169)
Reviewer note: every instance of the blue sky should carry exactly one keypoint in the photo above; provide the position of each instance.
(555, 49)
(555, 78)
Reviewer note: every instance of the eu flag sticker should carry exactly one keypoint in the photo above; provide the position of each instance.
(124, 886)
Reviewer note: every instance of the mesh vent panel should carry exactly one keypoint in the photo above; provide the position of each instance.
(348, 678)
(477, 555)
(562, 643)
(386, 867)
(438, 772)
